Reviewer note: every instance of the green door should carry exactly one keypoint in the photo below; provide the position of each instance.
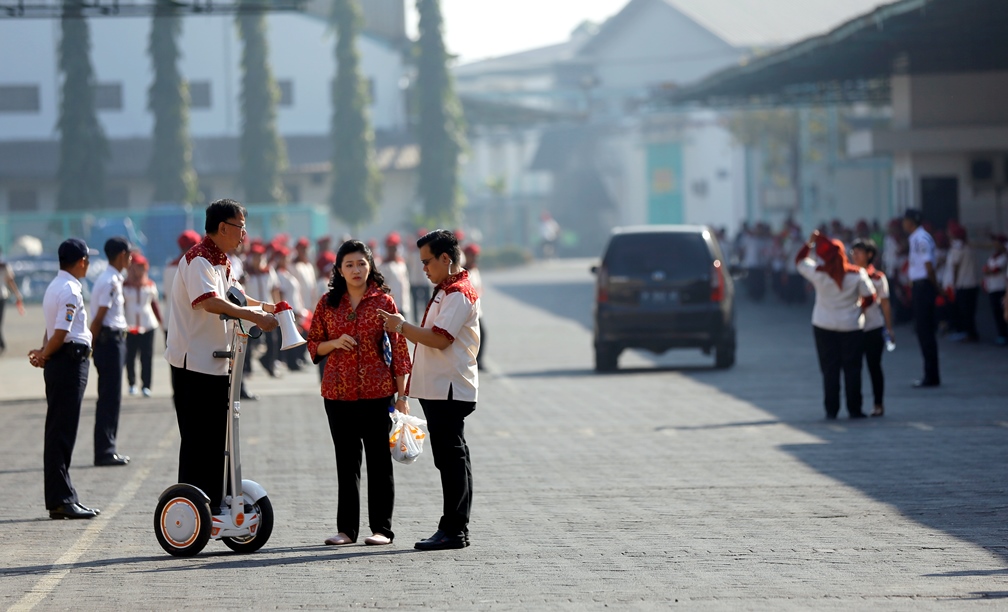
(665, 189)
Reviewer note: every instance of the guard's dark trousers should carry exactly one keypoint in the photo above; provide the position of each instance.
(446, 425)
(840, 351)
(201, 405)
(924, 294)
(109, 359)
(353, 425)
(65, 377)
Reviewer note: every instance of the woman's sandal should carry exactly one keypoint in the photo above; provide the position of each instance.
(879, 411)
(339, 539)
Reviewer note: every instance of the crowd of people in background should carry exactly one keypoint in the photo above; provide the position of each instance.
(766, 255)
(294, 270)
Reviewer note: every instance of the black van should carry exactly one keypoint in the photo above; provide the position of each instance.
(661, 287)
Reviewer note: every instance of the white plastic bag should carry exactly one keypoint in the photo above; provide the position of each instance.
(407, 439)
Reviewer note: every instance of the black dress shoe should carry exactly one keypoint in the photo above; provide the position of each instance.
(72, 511)
(95, 510)
(112, 460)
(441, 541)
(245, 395)
(923, 384)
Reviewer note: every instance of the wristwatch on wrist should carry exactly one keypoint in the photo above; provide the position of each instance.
(402, 398)
(398, 328)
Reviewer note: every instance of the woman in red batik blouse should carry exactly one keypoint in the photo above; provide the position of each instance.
(358, 386)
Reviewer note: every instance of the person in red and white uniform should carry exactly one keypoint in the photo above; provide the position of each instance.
(261, 280)
(995, 282)
(878, 319)
(358, 386)
(396, 274)
(143, 316)
(304, 271)
(445, 378)
(200, 380)
(472, 255)
(186, 240)
(842, 292)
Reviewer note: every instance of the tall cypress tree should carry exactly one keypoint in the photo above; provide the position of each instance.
(356, 183)
(83, 147)
(439, 120)
(170, 168)
(263, 154)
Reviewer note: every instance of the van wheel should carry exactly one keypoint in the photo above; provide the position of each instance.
(606, 357)
(724, 356)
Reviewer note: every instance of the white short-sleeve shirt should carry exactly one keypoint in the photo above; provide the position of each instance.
(874, 318)
(193, 333)
(63, 307)
(108, 293)
(453, 313)
(397, 278)
(922, 251)
(837, 307)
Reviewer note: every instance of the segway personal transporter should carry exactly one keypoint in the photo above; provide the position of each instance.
(183, 521)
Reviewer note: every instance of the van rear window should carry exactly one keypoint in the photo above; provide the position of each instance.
(678, 255)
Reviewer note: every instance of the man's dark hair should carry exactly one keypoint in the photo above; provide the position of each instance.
(441, 241)
(868, 246)
(220, 211)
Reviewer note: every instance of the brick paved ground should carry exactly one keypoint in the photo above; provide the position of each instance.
(657, 485)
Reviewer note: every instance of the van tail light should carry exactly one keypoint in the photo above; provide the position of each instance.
(717, 282)
(603, 285)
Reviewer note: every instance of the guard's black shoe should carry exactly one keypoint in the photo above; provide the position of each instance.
(112, 460)
(441, 541)
(72, 511)
(245, 395)
(923, 384)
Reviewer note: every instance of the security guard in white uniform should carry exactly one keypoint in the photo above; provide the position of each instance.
(65, 353)
(921, 270)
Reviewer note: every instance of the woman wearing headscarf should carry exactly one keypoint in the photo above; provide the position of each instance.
(358, 386)
(140, 301)
(878, 319)
(842, 292)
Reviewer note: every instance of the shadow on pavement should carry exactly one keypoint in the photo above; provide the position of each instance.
(937, 457)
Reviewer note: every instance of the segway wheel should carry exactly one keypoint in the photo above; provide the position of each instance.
(182, 520)
(255, 541)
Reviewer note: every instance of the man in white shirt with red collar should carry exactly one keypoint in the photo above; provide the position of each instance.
(200, 380)
(445, 378)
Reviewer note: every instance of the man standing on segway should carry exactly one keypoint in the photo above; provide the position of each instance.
(199, 380)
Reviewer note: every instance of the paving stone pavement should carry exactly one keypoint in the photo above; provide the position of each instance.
(666, 484)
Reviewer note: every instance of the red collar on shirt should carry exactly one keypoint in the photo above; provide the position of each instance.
(873, 273)
(208, 250)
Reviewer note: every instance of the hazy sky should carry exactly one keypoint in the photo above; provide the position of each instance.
(477, 29)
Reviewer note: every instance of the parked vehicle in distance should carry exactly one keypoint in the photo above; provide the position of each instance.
(661, 287)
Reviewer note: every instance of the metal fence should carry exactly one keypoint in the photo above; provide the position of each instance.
(155, 229)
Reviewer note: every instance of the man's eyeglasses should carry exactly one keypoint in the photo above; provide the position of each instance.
(241, 227)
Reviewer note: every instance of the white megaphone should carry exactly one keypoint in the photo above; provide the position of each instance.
(290, 337)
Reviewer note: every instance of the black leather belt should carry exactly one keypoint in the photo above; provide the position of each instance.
(111, 333)
(76, 351)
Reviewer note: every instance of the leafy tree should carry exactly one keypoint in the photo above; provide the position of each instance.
(440, 125)
(170, 168)
(263, 154)
(83, 147)
(356, 183)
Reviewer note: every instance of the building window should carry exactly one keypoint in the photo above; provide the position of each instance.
(293, 192)
(20, 200)
(108, 96)
(199, 94)
(19, 99)
(117, 198)
(286, 92)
